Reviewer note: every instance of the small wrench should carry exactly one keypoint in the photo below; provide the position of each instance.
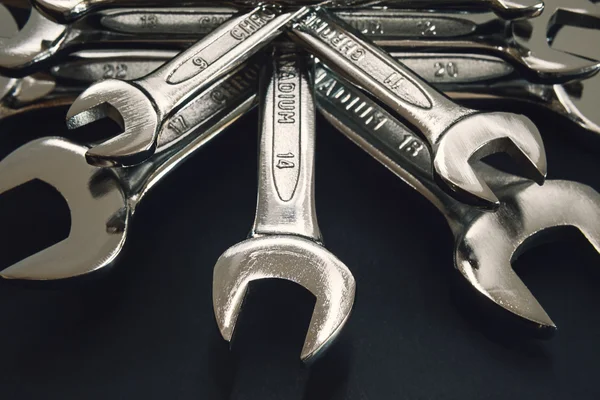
(456, 135)
(178, 27)
(103, 200)
(69, 10)
(485, 242)
(63, 83)
(142, 106)
(285, 241)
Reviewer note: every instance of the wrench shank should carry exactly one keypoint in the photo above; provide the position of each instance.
(286, 161)
(223, 49)
(383, 137)
(371, 68)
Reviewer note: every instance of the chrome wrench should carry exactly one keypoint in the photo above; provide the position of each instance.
(103, 200)
(456, 135)
(463, 77)
(178, 27)
(69, 10)
(285, 241)
(144, 104)
(485, 242)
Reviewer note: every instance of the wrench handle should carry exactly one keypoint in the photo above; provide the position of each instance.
(287, 146)
(367, 66)
(379, 134)
(219, 52)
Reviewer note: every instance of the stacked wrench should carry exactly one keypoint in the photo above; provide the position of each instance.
(175, 74)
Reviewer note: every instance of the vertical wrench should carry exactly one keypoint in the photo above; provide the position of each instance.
(285, 241)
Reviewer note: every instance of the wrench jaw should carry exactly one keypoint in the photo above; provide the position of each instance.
(291, 258)
(511, 11)
(99, 212)
(493, 240)
(129, 107)
(39, 39)
(62, 10)
(481, 134)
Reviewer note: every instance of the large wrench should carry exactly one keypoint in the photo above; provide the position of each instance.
(485, 243)
(69, 10)
(285, 242)
(390, 28)
(456, 134)
(103, 200)
(144, 104)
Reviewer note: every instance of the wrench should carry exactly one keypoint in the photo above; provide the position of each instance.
(142, 106)
(399, 29)
(456, 134)
(460, 76)
(69, 10)
(285, 241)
(103, 200)
(542, 30)
(42, 41)
(64, 82)
(473, 77)
(485, 243)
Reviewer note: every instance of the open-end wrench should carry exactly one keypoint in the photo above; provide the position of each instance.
(577, 102)
(141, 106)
(485, 242)
(42, 41)
(285, 241)
(558, 14)
(463, 77)
(393, 28)
(68, 10)
(456, 135)
(473, 77)
(103, 200)
(64, 82)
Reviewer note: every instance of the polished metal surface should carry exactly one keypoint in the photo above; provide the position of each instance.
(285, 242)
(461, 76)
(143, 105)
(456, 135)
(103, 200)
(407, 30)
(536, 34)
(69, 10)
(175, 74)
(485, 243)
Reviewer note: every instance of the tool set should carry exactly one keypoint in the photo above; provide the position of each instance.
(397, 77)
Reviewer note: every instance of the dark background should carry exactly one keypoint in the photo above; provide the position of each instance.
(146, 329)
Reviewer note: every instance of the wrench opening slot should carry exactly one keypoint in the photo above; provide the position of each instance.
(46, 222)
(268, 326)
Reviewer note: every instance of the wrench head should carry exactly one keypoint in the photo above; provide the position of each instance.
(537, 52)
(488, 245)
(129, 107)
(99, 210)
(291, 258)
(479, 135)
(39, 39)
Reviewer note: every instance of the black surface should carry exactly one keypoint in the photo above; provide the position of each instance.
(146, 330)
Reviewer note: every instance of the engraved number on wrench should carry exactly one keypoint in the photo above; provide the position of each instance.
(449, 69)
(118, 71)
